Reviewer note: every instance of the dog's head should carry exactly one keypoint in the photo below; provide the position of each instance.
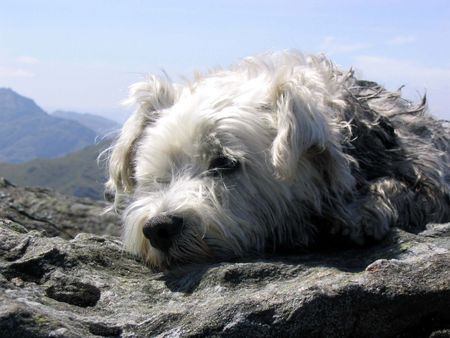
(227, 164)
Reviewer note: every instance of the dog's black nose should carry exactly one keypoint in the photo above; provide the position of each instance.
(162, 230)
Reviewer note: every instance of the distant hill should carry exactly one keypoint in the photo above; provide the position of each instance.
(28, 132)
(75, 174)
(13, 106)
(102, 126)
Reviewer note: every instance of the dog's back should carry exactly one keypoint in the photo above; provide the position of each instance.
(402, 154)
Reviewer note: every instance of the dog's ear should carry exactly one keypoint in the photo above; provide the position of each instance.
(150, 97)
(301, 124)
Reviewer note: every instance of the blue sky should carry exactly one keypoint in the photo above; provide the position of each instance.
(82, 55)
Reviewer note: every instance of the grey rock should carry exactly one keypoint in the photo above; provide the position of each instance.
(56, 281)
(53, 213)
(88, 287)
(74, 292)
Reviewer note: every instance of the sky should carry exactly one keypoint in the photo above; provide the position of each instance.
(83, 55)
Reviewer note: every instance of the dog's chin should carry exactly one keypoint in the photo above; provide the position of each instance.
(189, 251)
(180, 253)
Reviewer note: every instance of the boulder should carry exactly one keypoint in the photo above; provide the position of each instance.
(88, 287)
(55, 214)
(56, 281)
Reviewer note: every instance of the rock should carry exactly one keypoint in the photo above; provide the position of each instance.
(55, 214)
(87, 286)
(74, 292)
(4, 183)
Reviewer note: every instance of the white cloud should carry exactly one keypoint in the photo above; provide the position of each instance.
(331, 45)
(15, 73)
(401, 40)
(28, 60)
(17, 67)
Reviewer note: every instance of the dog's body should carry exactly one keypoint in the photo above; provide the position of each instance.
(277, 152)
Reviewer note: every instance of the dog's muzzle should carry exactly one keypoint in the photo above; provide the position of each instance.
(162, 230)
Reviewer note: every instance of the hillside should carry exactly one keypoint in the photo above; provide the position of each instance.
(28, 132)
(75, 174)
(101, 125)
(13, 106)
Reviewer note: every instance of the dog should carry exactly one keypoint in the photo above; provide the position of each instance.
(279, 152)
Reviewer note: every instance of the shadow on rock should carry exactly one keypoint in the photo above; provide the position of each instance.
(287, 265)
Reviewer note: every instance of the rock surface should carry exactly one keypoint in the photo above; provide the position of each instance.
(55, 214)
(87, 287)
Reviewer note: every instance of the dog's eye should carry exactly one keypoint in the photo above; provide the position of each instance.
(223, 164)
(162, 180)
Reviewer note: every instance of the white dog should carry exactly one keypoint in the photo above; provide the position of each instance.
(282, 151)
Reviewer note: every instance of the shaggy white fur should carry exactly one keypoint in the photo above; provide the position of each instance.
(280, 151)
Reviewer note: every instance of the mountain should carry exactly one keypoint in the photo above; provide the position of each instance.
(76, 174)
(101, 125)
(28, 132)
(13, 105)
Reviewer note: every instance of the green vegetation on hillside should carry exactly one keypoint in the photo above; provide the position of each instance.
(75, 174)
